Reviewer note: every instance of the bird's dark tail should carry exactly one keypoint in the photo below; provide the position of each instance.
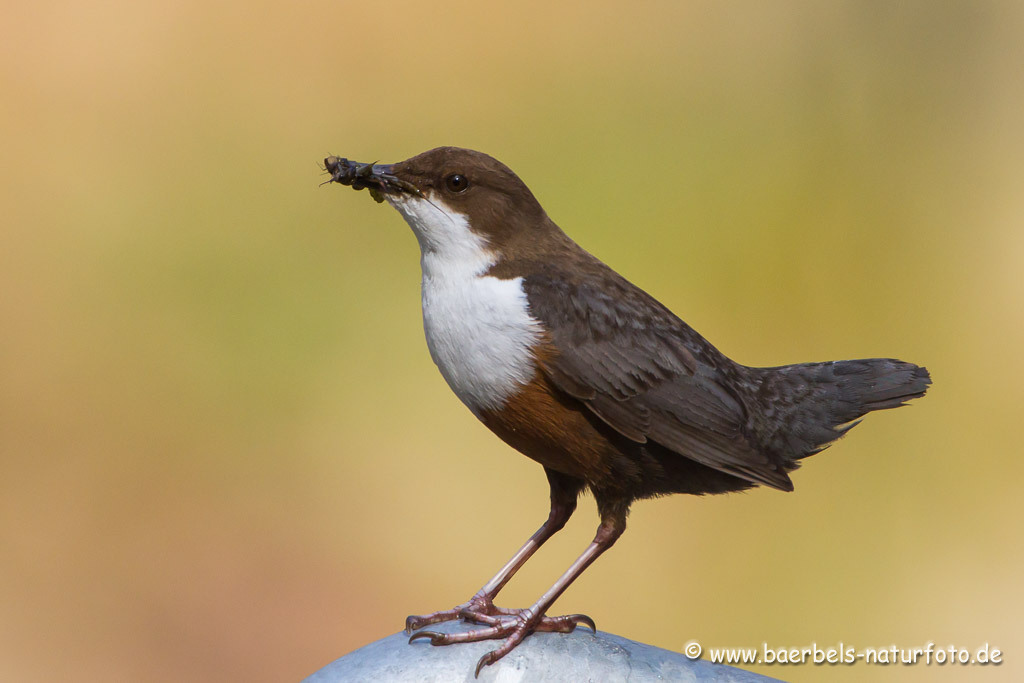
(806, 407)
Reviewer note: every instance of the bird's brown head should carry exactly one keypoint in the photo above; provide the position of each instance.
(443, 189)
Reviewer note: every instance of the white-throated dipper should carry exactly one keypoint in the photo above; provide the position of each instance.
(582, 371)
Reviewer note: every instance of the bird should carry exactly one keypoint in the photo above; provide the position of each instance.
(585, 373)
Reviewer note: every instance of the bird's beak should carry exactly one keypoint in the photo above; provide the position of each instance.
(380, 179)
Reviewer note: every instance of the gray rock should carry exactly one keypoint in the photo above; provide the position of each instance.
(578, 656)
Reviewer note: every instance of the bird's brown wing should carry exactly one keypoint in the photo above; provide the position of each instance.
(646, 373)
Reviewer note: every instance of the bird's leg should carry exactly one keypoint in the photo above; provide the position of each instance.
(515, 628)
(480, 608)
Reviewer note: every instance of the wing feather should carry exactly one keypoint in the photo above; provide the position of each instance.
(647, 374)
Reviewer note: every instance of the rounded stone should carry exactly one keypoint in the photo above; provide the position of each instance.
(578, 656)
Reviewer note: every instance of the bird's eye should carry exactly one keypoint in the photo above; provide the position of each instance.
(456, 183)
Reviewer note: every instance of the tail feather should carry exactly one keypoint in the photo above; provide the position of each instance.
(808, 406)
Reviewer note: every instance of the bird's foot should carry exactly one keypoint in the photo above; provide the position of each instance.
(477, 606)
(511, 624)
(479, 609)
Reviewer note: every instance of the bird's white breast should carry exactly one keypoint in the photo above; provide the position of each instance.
(478, 327)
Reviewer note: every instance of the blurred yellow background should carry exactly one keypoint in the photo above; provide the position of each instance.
(225, 454)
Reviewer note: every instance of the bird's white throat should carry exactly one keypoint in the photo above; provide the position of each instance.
(479, 329)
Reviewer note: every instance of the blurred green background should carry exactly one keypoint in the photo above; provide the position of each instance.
(225, 454)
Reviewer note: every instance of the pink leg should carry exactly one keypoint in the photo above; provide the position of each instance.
(523, 622)
(480, 608)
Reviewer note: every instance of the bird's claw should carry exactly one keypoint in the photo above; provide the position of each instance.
(584, 620)
(486, 660)
(435, 637)
(414, 623)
